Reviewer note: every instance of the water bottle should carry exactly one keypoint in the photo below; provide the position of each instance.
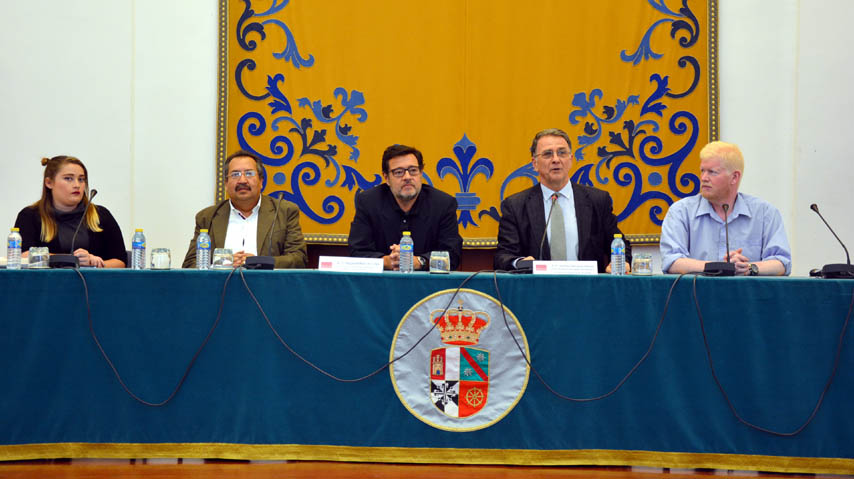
(138, 258)
(203, 250)
(618, 255)
(406, 247)
(13, 250)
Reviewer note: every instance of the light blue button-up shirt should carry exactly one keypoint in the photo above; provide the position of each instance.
(567, 203)
(692, 229)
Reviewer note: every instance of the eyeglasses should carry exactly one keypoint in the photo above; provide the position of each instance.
(562, 153)
(234, 175)
(399, 172)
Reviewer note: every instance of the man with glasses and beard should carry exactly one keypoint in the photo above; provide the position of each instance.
(401, 204)
(244, 221)
(580, 228)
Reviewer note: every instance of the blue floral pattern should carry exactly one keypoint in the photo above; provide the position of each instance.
(619, 137)
(314, 147)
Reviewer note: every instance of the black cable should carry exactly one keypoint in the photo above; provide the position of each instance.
(189, 366)
(323, 371)
(621, 382)
(821, 396)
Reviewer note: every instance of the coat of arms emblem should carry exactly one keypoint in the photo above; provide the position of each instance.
(459, 374)
(450, 369)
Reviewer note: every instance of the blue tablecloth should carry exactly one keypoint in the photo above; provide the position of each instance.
(773, 342)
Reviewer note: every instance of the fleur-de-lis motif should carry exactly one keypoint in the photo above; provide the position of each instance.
(465, 170)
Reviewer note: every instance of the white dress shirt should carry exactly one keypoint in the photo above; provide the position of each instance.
(242, 233)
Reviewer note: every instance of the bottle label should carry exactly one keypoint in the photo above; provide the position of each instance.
(616, 250)
(406, 248)
(204, 245)
(138, 244)
(14, 243)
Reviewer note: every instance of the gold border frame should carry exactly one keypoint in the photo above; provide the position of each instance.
(520, 457)
(470, 243)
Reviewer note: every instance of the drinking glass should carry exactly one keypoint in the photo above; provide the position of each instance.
(161, 258)
(642, 264)
(440, 262)
(223, 258)
(39, 257)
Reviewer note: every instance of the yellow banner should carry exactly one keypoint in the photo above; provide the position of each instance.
(318, 89)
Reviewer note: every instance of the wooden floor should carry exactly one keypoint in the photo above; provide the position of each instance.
(167, 469)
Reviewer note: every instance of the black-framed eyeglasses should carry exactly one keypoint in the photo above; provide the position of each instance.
(234, 175)
(399, 172)
(561, 153)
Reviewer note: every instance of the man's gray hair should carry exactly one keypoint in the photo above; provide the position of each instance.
(550, 132)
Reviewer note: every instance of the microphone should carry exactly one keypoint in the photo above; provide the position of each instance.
(266, 262)
(720, 268)
(526, 264)
(69, 260)
(837, 270)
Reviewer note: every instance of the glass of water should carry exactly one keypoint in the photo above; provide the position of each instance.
(440, 262)
(642, 264)
(39, 257)
(161, 258)
(223, 258)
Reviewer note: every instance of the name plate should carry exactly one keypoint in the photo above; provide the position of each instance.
(565, 267)
(346, 264)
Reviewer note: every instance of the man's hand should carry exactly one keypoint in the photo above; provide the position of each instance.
(240, 258)
(392, 260)
(742, 263)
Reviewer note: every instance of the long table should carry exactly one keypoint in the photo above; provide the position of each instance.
(773, 343)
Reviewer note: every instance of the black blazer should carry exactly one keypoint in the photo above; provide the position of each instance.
(523, 222)
(379, 222)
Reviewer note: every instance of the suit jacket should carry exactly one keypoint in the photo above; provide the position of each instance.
(379, 223)
(523, 222)
(288, 242)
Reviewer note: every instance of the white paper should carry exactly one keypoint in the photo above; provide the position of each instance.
(346, 264)
(566, 267)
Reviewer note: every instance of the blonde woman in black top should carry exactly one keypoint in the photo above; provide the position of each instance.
(52, 220)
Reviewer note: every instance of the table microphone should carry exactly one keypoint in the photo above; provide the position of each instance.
(527, 264)
(837, 270)
(69, 260)
(720, 268)
(266, 262)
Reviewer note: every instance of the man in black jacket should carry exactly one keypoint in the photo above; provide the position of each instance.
(401, 204)
(582, 219)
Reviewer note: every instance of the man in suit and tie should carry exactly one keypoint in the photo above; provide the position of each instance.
(244, 221)
(582, 223)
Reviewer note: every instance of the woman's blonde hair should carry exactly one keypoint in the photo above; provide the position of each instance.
(47, 211)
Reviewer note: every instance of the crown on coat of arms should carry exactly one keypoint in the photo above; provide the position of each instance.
(461, 327)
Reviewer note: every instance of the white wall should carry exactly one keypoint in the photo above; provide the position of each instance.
(133, 94)
(129, 92)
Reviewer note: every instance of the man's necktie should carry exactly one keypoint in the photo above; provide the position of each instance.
(557, 241)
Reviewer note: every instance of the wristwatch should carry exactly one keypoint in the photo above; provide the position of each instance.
(423, 261)
(753, 270)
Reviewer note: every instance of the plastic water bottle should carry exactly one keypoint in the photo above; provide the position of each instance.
(138, 259)
(406, 247)
(203, 250)
(13, 250)
(618, 255)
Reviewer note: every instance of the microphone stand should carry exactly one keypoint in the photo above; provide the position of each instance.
(720, 268)
(835, 270)
(69, 260)
(527, 264)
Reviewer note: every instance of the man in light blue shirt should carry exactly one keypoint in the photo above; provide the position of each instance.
(693, 231)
